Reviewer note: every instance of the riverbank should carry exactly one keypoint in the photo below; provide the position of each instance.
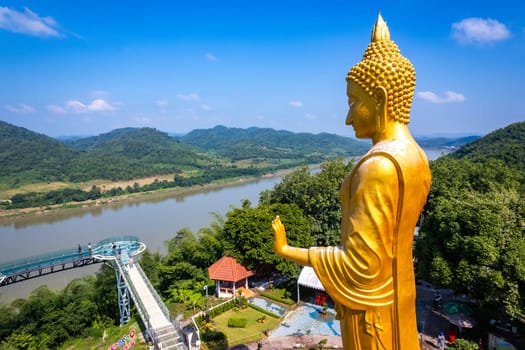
(12, 215)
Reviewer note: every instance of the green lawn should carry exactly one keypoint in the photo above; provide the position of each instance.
(253, 330)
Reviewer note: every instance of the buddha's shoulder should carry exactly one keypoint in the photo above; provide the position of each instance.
(383, 156)
(376, 164)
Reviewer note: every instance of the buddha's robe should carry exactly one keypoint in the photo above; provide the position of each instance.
(370, 275)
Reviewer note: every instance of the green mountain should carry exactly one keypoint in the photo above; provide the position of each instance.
(26, 156)
(506, 144)
(123, 154)
(143, 146)
(129, 153)
(252, 143)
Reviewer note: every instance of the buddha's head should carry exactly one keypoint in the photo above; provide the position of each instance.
(384, 73)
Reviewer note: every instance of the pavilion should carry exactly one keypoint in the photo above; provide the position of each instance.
(230, 276)
(308, 278)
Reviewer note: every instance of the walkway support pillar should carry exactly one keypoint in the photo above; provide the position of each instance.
(123, 297)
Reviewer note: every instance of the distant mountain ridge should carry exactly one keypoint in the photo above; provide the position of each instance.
(237, 144)
(506, 144)
(131, 153)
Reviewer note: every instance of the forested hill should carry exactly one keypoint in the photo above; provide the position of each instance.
(237, 144)
(506, 144)
(123, 154)
(147, 145)
(27, 154)
(131, 153)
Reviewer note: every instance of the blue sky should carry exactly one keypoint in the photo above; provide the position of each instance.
(87, 67)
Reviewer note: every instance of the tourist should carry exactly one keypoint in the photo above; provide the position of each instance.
(370, 275)
(441, 341)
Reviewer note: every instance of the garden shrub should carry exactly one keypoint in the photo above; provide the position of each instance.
(237, 322)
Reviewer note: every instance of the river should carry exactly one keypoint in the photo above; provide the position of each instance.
(154, 218)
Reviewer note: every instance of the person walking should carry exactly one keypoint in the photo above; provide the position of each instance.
(441, 341)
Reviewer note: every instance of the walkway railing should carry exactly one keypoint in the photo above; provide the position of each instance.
(64, 259)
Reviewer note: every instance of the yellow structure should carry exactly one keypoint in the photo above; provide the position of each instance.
(370, 274)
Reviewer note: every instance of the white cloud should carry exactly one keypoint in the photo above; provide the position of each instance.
(259, 117)
(100, 105)
(309, 116)
(21, 108)
(450, 97)
(479, 30)
(205, 107)
(73, 106)
(295, 104)
(190, 97)
(27, 22)
(210, 57)
(162, 103)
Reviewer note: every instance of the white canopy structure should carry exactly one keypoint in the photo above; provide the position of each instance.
(309, 279)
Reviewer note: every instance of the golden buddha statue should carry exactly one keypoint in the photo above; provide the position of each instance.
(370, 275)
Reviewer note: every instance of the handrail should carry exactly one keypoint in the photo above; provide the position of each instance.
(197, 329)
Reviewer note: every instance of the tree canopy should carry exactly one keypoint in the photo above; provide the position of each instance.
(473, 233)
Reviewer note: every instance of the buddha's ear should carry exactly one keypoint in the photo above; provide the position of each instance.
(381, 97)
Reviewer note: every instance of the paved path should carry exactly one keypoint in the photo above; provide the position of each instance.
(156, 317)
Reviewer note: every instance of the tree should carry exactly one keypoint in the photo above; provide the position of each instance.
(248, 237)
(471, 238)
(21, 339)
(317, 194)
(106, 297)
(7, 321)
(150, 263)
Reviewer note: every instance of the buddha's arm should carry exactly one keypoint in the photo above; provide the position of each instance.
(281, 247)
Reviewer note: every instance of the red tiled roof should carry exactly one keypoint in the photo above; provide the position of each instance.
(228, 269)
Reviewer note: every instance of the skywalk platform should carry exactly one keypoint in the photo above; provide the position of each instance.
(121, 253)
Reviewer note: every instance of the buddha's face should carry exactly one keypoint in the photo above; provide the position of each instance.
(362, 113)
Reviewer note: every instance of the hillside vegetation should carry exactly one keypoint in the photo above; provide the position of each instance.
(472, 238)
(506, 144)
(256, 143)
(39, 171)
(28, 157)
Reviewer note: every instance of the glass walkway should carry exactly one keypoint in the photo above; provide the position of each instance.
(120, 252)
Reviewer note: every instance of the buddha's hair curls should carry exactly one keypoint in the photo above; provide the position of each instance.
(383, 65)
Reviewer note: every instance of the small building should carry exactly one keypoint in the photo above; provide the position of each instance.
(229, 276)
(308, 278)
